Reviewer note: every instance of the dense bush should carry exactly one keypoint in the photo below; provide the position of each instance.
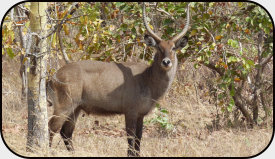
(233, 39)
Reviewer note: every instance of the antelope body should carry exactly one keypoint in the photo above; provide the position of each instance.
(114, 88)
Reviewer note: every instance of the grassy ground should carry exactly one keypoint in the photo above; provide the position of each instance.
(193, 132)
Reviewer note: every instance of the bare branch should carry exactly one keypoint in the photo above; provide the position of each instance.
(70, 11)
(210, 34)
(258, 79)
(213, 38)
(20, 28)
(26, 10)
(238, 102)
(163, 11)
(266, 60)
(61, 46)
(203, 49)
(212, 67)
(75, 17)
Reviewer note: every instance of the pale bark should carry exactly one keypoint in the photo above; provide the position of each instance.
(37, 104)
(24, 63)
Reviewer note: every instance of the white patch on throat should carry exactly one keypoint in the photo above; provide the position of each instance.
(172, 72)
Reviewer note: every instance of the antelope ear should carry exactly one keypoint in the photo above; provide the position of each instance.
(181, 42)
(150, 41)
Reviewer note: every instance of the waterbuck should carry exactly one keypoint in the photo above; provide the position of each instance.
(105, 88)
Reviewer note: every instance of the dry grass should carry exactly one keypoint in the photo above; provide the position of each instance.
(192, 134)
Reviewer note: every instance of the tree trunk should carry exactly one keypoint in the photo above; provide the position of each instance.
(37, 106)
(24, 63)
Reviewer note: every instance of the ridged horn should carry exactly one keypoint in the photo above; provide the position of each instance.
(184, 30)
(157, 38)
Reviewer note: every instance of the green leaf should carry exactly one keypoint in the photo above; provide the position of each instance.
(252, 22)
(169, 126)
(233, 43)
(221, 96)
(160, 120)
(229, 108)
(133, 37)
(231, 104)
(250, 62)
(232, 59)
(260, 25)
(124, 27)
(167, 21)
(10, 53)
(133, 30)
(206, 62)
(223, 86)
(150, 61)
(199, 58)
(232, 91)
(267, 30)
(196, 66)
(164, 111)
(170, 30)
(201, 38)
(244, 72)
(247, 66)
(222, 109)
(157, 105)
(211, 4)
(241, 52)
(208, 53)
(227, 80)
(193, 32)
(240, 4)
(119, 4)
(206, 16)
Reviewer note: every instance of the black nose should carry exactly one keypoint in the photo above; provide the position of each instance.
(166, 62)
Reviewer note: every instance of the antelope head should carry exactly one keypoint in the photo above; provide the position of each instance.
(166, 49)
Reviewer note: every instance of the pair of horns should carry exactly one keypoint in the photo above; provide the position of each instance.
(156, 37)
